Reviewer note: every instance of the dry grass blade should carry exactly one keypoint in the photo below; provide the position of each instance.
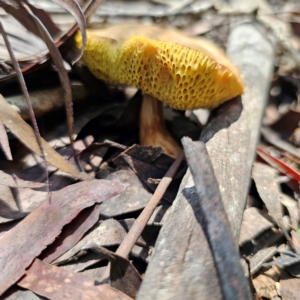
(73, 7)
(12, 120)
(4, 143)
(62, 72)
(215, 223)
(139, 224)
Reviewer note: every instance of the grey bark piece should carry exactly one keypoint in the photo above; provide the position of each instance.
(182, 266)
(182, 259)
(232, 150)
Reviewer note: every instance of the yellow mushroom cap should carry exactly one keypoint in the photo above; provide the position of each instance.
(184, 72)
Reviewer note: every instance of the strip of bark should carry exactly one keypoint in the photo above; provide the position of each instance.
(215, 223)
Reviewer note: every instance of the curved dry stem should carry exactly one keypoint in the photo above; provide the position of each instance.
(153, 131)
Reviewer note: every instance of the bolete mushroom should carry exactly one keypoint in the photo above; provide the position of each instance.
(183, 72)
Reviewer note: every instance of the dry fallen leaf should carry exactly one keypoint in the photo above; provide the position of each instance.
(72, 233)
(59, 284)
(44, 224)
(11, 119)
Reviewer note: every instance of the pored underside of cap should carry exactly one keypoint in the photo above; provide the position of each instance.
(180, 76)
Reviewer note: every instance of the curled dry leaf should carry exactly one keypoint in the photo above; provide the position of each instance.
(44, 224)
(12, 120)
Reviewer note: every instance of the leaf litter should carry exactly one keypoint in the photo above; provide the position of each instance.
(273, 204)
(56, 211)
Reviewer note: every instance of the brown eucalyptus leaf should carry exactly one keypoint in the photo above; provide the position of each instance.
(44, 224)
(72, 233)
(12, 120)
(59, 284)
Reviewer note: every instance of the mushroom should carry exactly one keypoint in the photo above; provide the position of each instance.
(168, 66)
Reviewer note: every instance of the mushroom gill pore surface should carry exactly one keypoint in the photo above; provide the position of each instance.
(184, 72)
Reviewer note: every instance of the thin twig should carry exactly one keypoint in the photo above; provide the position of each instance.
(140, 223)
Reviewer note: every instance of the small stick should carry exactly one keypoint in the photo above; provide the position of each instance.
(139, 224)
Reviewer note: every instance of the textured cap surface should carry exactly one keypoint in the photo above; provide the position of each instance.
(184, 72)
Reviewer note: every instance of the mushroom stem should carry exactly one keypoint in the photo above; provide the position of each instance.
(153, 131)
